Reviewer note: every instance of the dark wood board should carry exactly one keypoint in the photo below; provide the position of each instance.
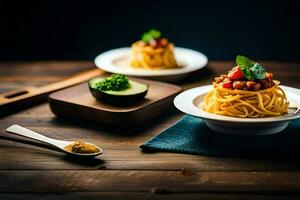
(77, 101)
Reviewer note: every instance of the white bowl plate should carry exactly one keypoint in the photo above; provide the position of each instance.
(188, 102)
(118, 61)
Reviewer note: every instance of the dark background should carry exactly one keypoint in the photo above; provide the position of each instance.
(64, 30)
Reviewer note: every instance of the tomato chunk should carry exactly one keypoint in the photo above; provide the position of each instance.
(227, 84)
(235, 73)
(269, 75)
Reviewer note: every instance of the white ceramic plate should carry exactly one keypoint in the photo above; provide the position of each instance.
(188, 102)
(118, 61)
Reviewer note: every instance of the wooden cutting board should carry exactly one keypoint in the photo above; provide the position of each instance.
(77, 103)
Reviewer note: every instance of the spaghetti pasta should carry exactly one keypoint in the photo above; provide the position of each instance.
(243, 103)
(153, 52)
(246, 91)
(148, 57)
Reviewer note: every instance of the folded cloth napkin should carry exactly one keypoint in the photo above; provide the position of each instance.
(191, 135)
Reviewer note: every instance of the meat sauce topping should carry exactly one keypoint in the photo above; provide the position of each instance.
(247, 75)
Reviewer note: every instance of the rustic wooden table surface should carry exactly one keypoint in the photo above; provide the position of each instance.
(31, 170)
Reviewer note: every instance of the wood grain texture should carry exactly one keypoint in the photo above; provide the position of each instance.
(17, 75)
(32, 170)
(144, 195)
(124, 181)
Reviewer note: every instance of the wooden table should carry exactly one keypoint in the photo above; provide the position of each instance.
(31, 170)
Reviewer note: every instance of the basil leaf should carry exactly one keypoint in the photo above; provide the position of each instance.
(155, 33)
(151, 35)
(247, 73)
(258, 71)
(243, 62)
(146, 37)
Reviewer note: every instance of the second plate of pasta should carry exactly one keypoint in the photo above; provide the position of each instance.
(120, 61)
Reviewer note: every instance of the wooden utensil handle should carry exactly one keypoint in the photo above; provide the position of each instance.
(14, 101)
(15, 93)
(28, 93)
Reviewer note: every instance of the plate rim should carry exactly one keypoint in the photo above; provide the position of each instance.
(193, 93)
(102, 59)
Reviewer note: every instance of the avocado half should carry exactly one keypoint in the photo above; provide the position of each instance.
(136, 92)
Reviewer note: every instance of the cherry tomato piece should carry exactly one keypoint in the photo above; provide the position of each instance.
(236, 73)
(227, 84)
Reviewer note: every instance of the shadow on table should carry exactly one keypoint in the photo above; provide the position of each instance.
(118, 130)
(282, 146)
(86, 162)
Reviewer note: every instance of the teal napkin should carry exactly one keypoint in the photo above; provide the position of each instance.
(190, 135)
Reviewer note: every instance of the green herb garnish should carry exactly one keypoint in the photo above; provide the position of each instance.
(115, 82)
(250, 69)
(245, 64)
(258, 71)
(151, 35)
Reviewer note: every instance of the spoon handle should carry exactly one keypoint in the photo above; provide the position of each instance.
(19, 130)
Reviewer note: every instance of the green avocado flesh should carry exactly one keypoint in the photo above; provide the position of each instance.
(135, 88)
